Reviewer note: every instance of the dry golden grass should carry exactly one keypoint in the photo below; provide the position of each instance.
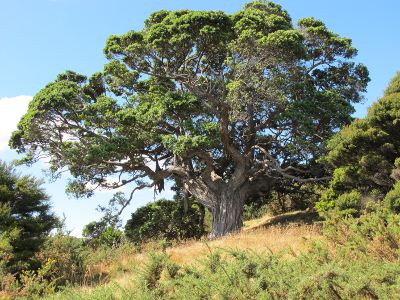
(300, 217)
(269, 233)
(253, 222)
(255, 237)
(274, 239)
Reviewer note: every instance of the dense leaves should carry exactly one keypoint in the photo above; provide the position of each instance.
(98, 234)
(25, 219)
(69, 257)
(165, 220)
(365, 157)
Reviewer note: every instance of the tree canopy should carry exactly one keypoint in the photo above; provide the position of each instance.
(229, 105)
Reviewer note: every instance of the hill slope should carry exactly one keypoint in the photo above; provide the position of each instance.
(289, 232)
(266, 260)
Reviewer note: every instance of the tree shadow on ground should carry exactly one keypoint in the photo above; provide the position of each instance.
(304, 217)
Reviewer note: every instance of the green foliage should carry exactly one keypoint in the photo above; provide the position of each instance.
(97, 234)
(30, 284)
(25, 220)
(394, 85)
(165, 220)
(365, 155)
(345, 204)
(287, 196)
(151, 272)
(374, 234)
(68, 255)
(7, 237)
(255, 208)
(39, 283)
(392, 199)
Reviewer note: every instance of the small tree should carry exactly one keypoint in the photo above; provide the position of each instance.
(165, 219)
(25, 219)
(229, 105)
(365, 156)
(101, 234)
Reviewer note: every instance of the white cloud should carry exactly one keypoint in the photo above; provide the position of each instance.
(11, 110)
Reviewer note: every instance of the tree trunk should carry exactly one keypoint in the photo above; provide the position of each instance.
(227, 214)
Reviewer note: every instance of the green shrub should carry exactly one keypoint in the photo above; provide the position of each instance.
(392, 199)
(105, 263)
(7, 237)
(318, 274)
(375, 234)
(40, 282)
(285, 197)
(152, 270)
(30, 283)
(165, 220)
(69, 255)
(344, 204)
(358, 259)
(255, 208)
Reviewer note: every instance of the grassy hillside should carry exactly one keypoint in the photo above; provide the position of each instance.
(283, 257)
(120, 272)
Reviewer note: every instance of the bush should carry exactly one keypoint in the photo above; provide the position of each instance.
(286, 197)
(344, 204)
(39, 283)
(165, 220)
(30, 283)
(291, 196)
(318, 274)
(7, 237)
(69, 255)
(255, 208)
(375, 234)
(392, 199)
(360, 259)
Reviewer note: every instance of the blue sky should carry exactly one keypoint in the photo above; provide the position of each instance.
(41, 38)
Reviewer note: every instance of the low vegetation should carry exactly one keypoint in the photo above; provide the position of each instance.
(281, 262)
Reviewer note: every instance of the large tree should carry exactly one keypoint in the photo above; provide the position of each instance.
(226, 105)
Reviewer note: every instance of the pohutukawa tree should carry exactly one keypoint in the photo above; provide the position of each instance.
(228, 105)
